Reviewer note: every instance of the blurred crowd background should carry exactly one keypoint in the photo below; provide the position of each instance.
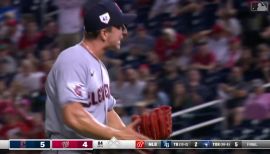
(180, 53)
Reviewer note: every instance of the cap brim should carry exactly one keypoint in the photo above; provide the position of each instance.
(128, 18)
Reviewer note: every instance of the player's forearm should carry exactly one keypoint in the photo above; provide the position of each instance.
(84, 123)
(115, 121)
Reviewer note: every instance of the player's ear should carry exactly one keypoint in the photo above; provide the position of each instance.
(104, 34)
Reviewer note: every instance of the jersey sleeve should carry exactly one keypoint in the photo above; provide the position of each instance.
(111, 103)
(71, 83)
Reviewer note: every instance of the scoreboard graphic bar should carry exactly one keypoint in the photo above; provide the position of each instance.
(74, 144)
(4, 144)
(203, 144)
(29, 144)
(114, 144)
(85, 144)
(259, 144)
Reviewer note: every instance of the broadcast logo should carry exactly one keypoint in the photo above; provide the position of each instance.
(259, 6)
(139, 144)
(65, 144)
(23, 144)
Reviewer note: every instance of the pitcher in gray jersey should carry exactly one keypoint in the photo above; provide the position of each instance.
(79, 103)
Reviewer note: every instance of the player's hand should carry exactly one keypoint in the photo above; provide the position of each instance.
(128, 133)
(134, 123)
(132, 126)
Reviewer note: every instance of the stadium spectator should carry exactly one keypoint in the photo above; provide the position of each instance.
(168, 43)
(45, 64)
(234, 91)
(133, 58)
(196, 16)
(234, 53)
(183, 57)
(7, 9)
(69, 21)
(134, 88)
(218, 44)
(229, 22)
(153, 96)
(2, 89)
(198, 91)
(15, 91)
(49, 35)
(55, 51)
(247, 63)
(15, 127)
(204, 59)
(144, 41)
(263, 52)
(154, 64)
(45, 56)
(184, 12)
(257, 105)
(142, 9)
(181, 99)
(265, 34)
(33, 120)
(30, 39)
(168, 78)
(144, 72)
(163, 7)
(11, 31)
(262, 64)
(8, 64)
(28, 78)
(119, 86)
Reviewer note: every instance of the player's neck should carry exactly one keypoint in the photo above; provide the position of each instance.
(94, 47)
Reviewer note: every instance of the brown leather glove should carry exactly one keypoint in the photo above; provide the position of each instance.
(156, 124)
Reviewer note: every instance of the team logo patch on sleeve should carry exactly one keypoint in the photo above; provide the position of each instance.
(78, 89)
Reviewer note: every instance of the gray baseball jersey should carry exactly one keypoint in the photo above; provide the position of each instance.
(76, 76)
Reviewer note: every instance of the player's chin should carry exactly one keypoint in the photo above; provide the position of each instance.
(115, 47)
(118, 47)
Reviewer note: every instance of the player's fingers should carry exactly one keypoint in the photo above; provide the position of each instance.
(137, 136)
(134, 123)
(142, 137)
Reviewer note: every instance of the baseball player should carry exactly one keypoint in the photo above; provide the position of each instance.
(79, 104)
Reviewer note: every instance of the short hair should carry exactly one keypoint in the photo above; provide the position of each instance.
(95, 34)
(91, 35)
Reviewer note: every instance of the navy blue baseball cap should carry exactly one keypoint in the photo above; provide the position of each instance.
(104, 13)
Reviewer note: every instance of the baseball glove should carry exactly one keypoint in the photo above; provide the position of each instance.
(156, 124)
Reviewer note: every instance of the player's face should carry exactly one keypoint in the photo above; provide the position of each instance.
(116, 36)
